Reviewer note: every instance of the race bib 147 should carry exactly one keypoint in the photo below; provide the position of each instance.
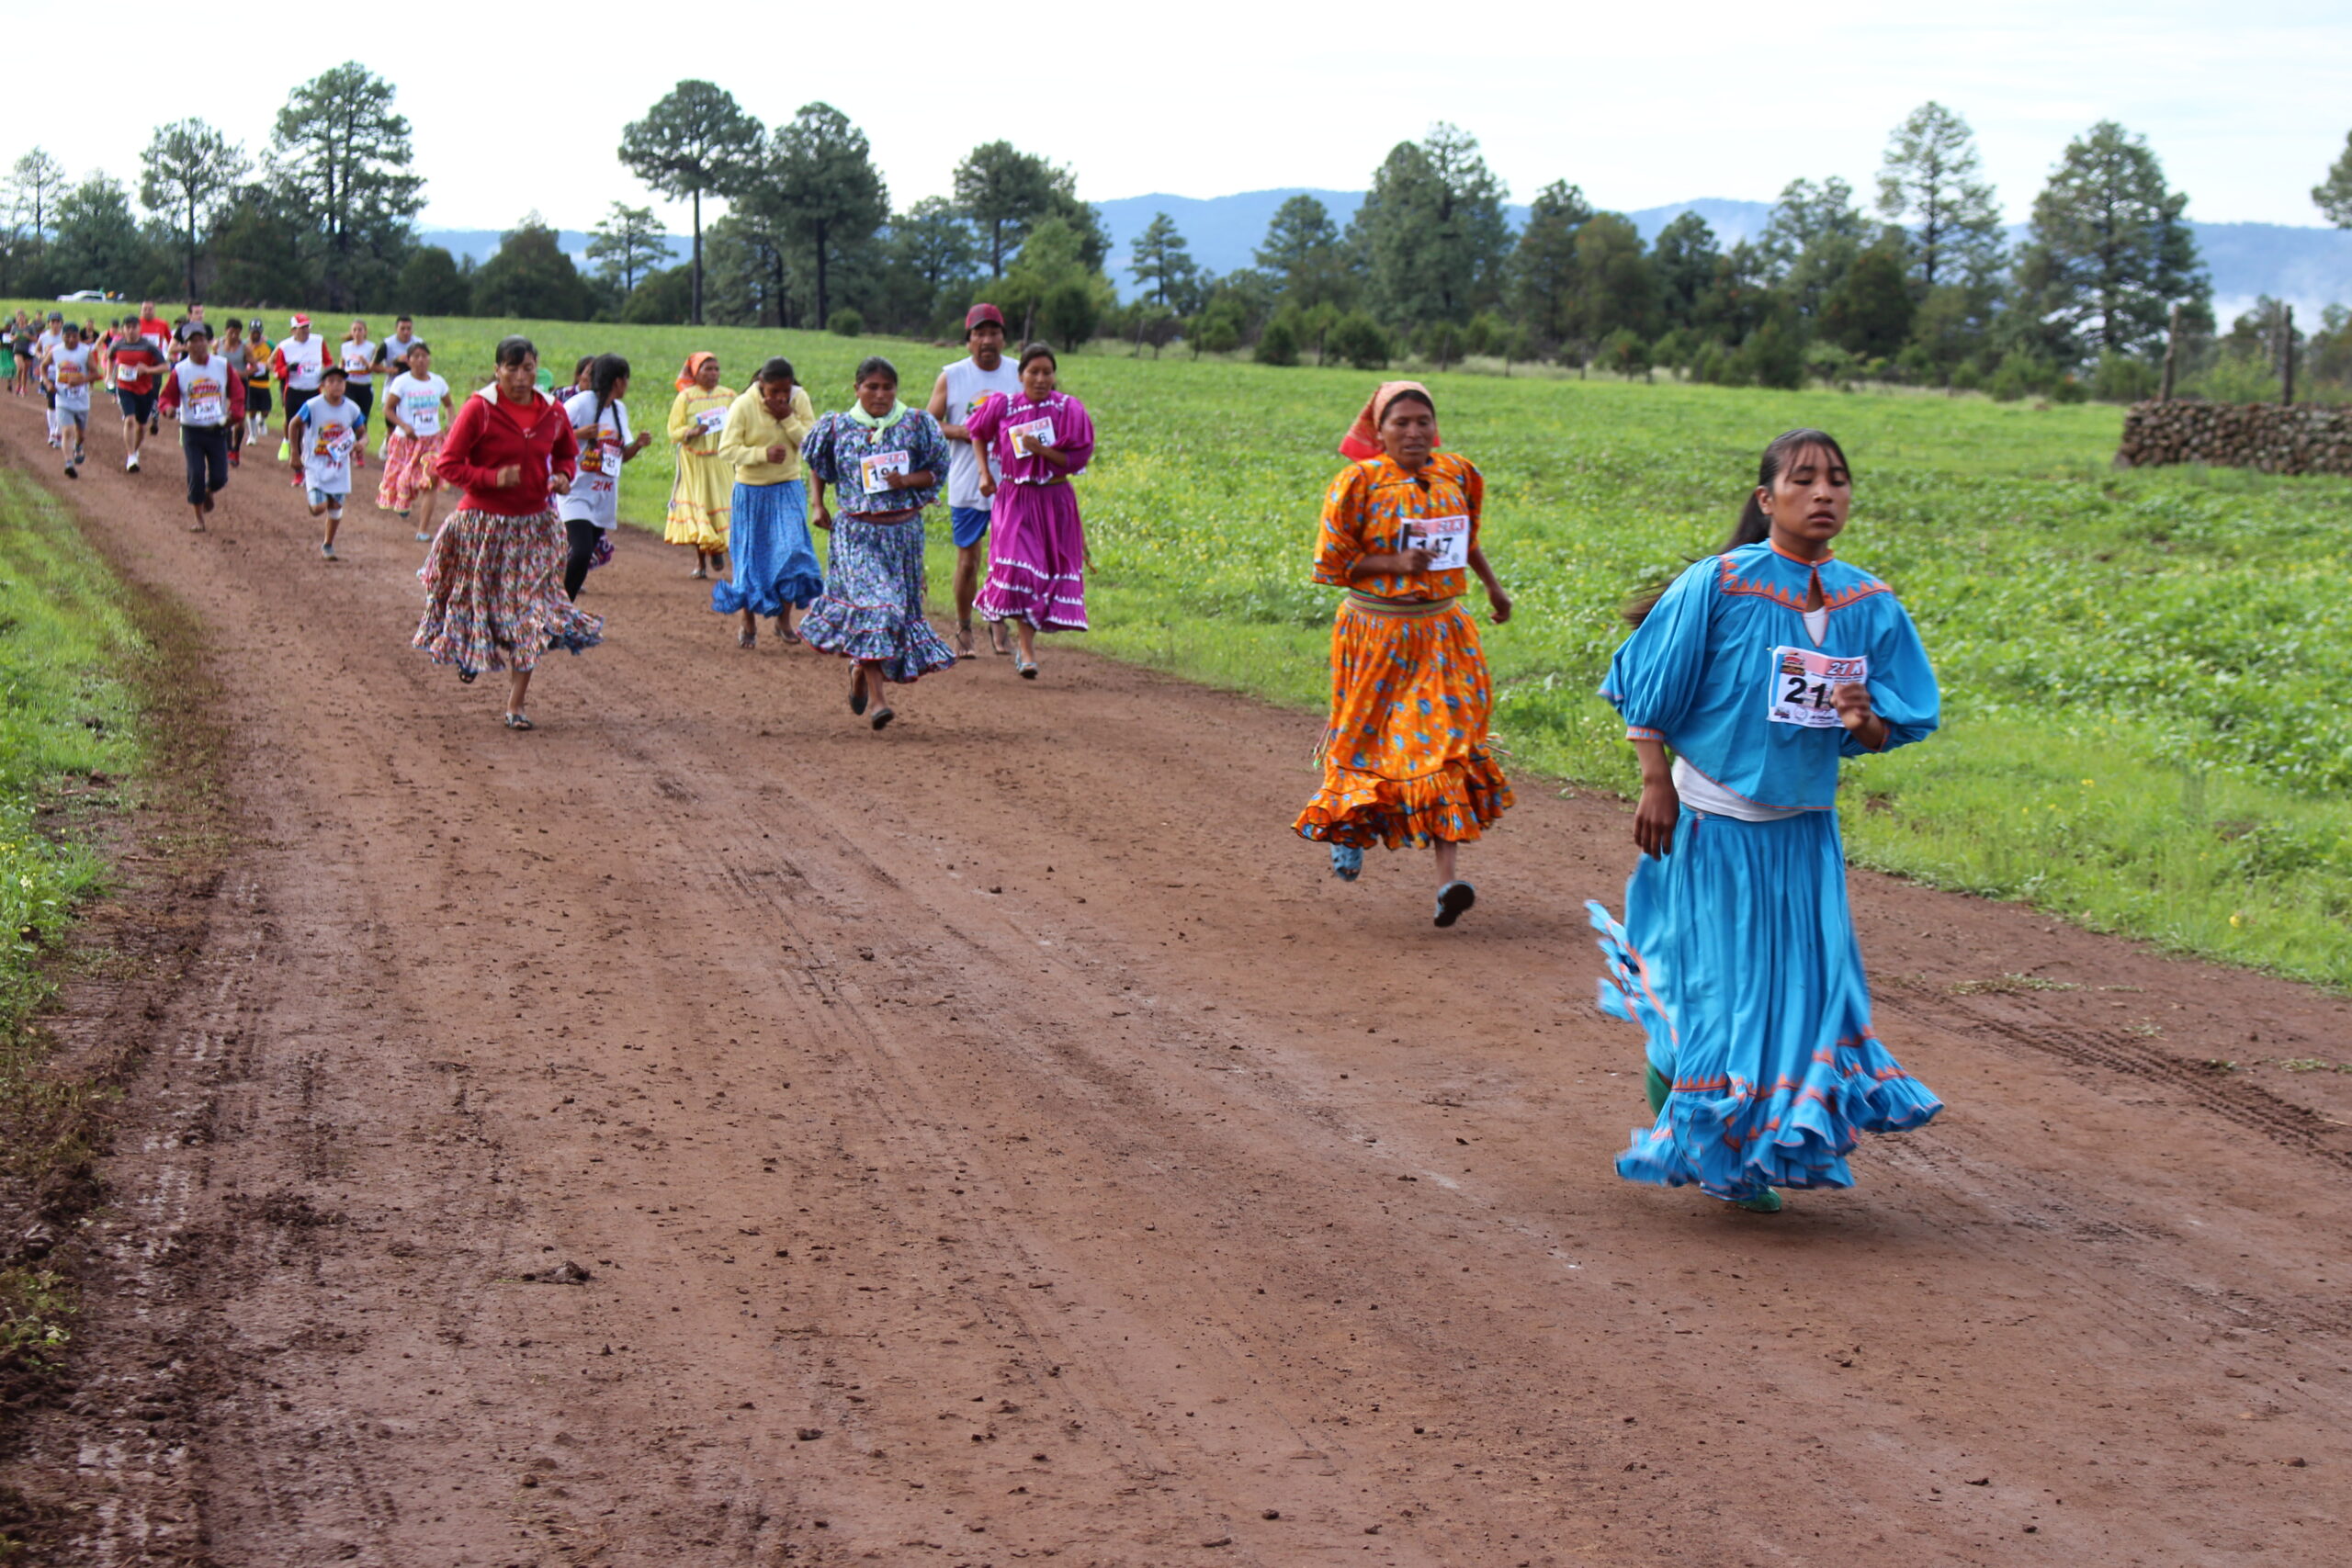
(1447, 539)
(1805, 684)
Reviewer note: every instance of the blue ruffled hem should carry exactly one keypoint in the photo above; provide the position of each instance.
(800, 590)
(904, 644)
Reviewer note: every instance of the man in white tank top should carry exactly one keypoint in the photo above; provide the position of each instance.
(959, 390)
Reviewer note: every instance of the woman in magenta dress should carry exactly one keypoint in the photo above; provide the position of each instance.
(1038, 551)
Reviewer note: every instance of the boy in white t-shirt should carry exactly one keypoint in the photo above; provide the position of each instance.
(72, 367)
(325, 431)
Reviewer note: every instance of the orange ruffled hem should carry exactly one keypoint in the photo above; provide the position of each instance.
(1452, 805)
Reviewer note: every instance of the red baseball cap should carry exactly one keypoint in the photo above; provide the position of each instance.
(982, 315)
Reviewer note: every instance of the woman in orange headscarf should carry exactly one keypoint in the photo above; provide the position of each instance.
(1405, 756)
(703, 488)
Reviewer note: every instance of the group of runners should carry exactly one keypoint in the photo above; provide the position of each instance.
(1744, 683)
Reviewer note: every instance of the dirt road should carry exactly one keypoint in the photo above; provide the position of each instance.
(999, 1139)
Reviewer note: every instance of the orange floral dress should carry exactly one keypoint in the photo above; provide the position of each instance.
(1405, 755)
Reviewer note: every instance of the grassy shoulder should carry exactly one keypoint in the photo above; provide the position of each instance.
(69, 742)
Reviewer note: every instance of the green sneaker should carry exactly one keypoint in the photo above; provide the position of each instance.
(1653, 1084)
(1765, 1202)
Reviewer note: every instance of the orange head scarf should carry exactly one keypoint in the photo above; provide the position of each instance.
(1363, 440)
(693, 364)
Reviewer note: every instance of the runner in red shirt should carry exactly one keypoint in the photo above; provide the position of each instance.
(135, 363)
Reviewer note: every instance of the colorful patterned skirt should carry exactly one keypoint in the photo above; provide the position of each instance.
(408, 470)
(872, 606)
(1405, 757)
(493, 594)
(1037, 559)
(769, 558)
(1737, 958)
(700, 497)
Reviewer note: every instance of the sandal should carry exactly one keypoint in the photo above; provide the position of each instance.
(465, 676)
(519, 721)
(1028, 667)
(1765, 1202)
(964, 645)
(1453, 901)
(857, 691)
(1346, 861)
(747, 638)
(882, 718)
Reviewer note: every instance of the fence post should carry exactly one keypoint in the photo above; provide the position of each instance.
(2172, 353)
(2286, 358)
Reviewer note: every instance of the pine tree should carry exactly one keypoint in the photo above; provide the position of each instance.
(828, 199)
(189, 170)
(2110, 253)
(340, 158)
(1543, 276)
(2333, 194)
(1928, 183)
(1163, 263)
(695, 143)
(1303, 251)
(627, 244)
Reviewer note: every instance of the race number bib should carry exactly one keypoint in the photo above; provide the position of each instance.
(1035, 434)
(425, 416)
(1805, 686)
(335, 442)
(711, 420)
(1447, 539)
(875, 471)
(205, 408)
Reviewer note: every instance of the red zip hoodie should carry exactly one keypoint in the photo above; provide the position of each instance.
(491, 433)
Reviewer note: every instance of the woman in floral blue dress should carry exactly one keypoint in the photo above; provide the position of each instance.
(885, 461)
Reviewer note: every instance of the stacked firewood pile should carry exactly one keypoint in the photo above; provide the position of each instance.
(2304, 438)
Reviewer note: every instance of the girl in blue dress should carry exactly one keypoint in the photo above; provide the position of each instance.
(1758, 670)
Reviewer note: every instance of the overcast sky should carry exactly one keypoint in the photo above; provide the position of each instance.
(1642, 104)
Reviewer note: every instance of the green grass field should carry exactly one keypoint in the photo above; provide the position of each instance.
(68, 730)
(2144, 731)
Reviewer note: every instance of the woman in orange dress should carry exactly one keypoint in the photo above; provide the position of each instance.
(1405, 756)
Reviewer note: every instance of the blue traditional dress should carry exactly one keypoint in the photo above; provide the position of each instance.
(871, 606)
(1737, 954)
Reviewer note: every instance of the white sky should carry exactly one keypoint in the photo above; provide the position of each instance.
(1641, 105)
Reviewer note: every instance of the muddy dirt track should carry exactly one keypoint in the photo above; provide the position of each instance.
(1000, 1141)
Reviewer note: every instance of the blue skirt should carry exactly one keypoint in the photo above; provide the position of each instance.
(771, 560)
(871, 606)
(1738, 959)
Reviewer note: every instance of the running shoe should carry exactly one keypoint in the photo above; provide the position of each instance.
(232, 459)
(1453, 901)
(326, 551)
(130, 463)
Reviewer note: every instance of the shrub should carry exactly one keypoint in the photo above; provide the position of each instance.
(846, 323)
(1623, 352)
(1358, 340)
(1278, 345)
(2123, 378)
(1773, 355)
(2022, 374)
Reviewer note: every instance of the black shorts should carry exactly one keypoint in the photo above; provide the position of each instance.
(256, 398)
(136, 406)
(295, 397)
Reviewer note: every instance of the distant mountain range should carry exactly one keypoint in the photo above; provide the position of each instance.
(2308, 266)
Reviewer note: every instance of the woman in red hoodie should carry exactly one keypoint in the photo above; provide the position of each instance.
(494, 578)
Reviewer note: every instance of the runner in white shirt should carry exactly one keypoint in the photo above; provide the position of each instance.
(591, 509)
(959, 390)
(43, 346)
(299, 361)
(72, 367)
(207, 395)
(416, 413)
(357, 354)
(325, 433)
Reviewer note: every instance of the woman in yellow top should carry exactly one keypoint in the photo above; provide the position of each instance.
(767, 532)
(1404, 758)
(700, 494)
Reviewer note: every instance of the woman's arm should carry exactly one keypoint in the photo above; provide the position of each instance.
(1496, 600)
(1661, 805)
(683, 429)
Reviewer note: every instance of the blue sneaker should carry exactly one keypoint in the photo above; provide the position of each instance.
(1346, 861)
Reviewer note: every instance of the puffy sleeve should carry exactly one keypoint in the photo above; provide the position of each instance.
(1077, 440)
(1655, 676)
(1474, 496)
(735, 445)
(817, 451)
(1903, 686)
(682, 428)
(1342, 544)
(983, 424)
(928, 449)
(802, 419)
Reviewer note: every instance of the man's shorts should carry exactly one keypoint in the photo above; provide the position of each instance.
(136, 406)
(256, 399)
(969, 524)
(332, 500)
